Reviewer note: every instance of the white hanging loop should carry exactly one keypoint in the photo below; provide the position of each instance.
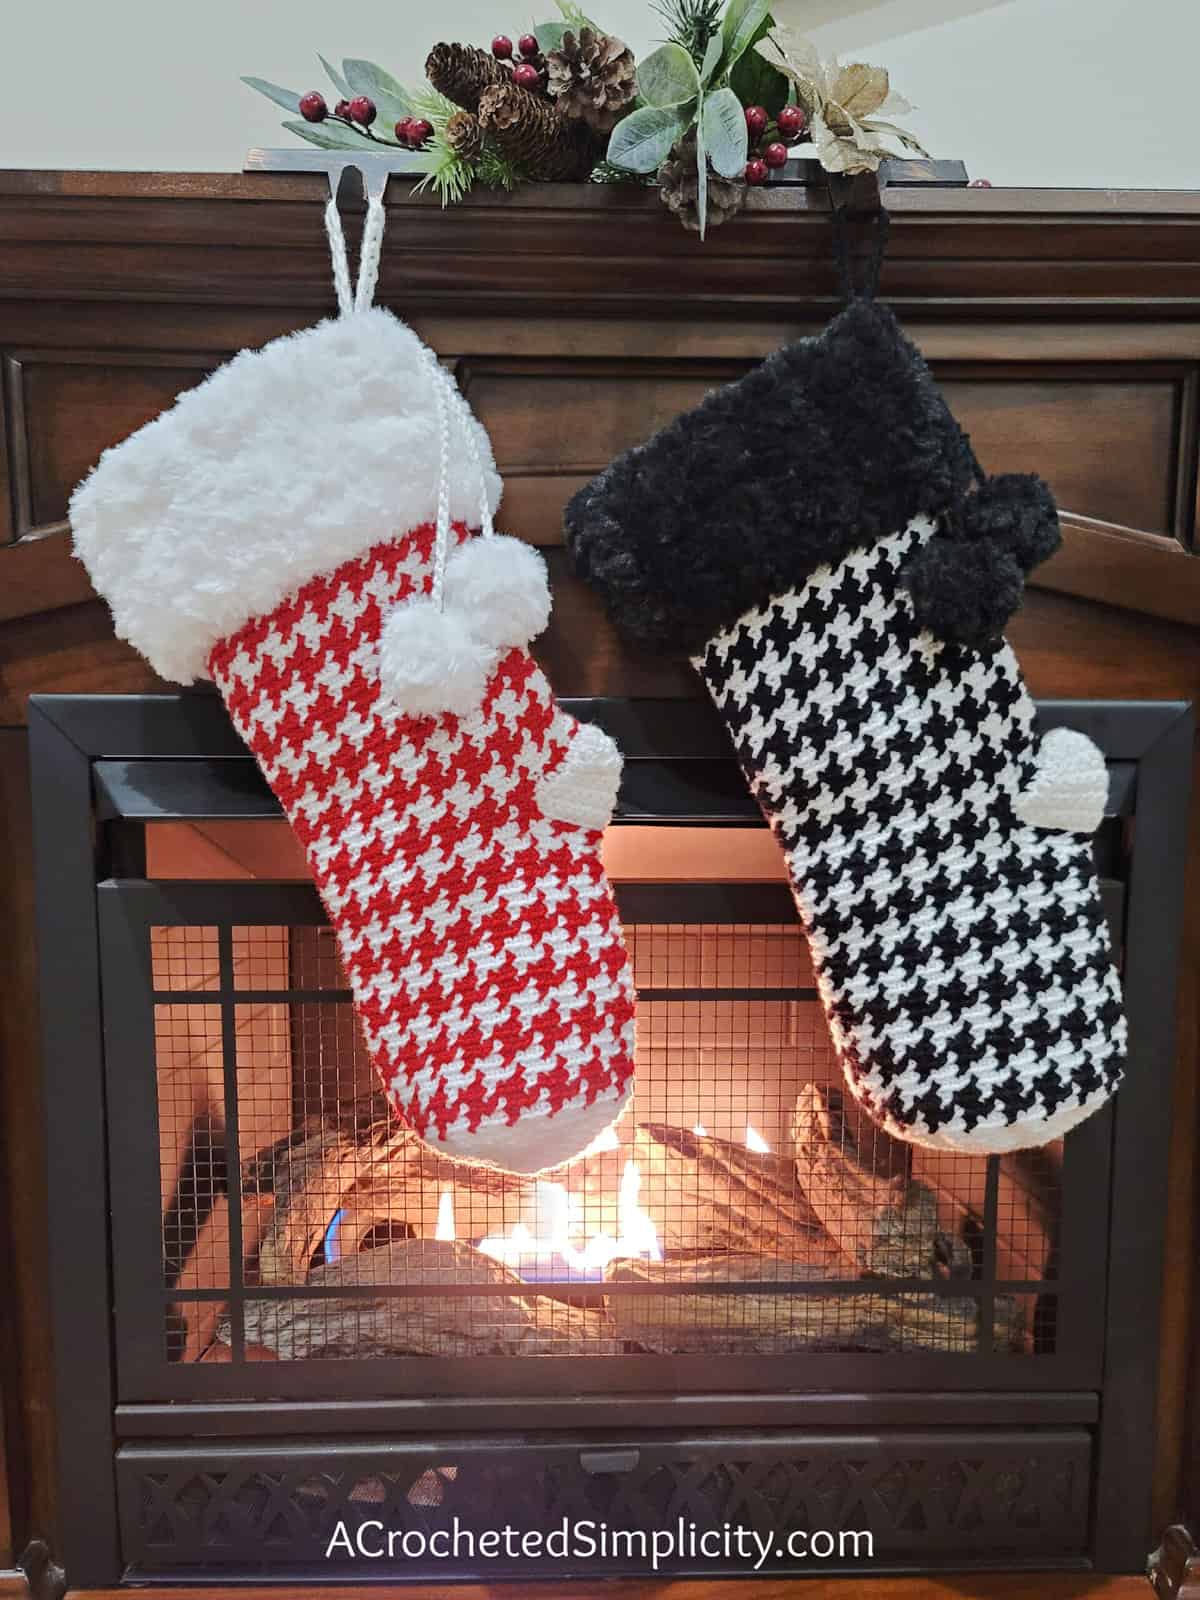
(360, 297)
(372, 241)
(337, 252)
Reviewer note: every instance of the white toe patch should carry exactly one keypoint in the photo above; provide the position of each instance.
(1070, 787)
(583, 788)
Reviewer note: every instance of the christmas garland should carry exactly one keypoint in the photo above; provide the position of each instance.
(710, 114)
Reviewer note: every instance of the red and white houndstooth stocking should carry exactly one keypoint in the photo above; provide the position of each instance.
(298, 527)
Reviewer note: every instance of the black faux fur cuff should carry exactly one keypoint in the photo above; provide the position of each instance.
(831, 443)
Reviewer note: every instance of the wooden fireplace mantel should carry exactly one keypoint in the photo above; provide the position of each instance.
(1075, 310)
(1065, 326)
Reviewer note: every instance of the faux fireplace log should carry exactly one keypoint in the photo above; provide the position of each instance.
(765, 1323)
(858, 1181)
(516, 1324)
(723, 1214)
(703, 1194)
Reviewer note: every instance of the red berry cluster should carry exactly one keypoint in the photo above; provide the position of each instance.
(360, 110)
(412, 132)
(525, 60)
(769, 140)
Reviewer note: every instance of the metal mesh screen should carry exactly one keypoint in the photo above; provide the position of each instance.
(746, 1205)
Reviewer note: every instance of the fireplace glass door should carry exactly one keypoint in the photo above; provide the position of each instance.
(745, 1211)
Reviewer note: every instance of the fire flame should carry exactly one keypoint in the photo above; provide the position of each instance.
(445, 1222)
(553, 1247)
(558, 1224)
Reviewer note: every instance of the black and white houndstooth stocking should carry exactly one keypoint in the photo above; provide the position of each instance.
(842, 597)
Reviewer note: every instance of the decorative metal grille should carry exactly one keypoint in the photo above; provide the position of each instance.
(965, 1500)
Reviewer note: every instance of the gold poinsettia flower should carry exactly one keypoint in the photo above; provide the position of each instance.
(847, 106)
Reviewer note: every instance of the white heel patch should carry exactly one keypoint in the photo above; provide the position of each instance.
(582, 789)
(1069, 788)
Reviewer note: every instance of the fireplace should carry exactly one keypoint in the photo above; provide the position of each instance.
(744, 1307)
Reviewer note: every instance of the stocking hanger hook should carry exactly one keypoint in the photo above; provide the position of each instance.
(372, 168)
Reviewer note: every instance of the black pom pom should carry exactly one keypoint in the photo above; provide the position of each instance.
(964, 592)
(1015, 511)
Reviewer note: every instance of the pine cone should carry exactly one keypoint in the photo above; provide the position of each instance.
(679, 187)
(462, 73)
(593, 78)
(536, 135)
(465, 136)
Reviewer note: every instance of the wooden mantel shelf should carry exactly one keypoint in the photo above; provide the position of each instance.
(592, 249)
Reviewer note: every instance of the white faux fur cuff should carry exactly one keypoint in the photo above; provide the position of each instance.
(279, 467)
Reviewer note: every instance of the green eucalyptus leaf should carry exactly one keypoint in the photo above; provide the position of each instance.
(757, 83)
(549, 36)
(391, 101)
(281, 97)
(335, 77)
(329, 135)
(642, 141)
(668, 77)
(575, 18)
(723, 128)
(712, 59)
(743, 24)
(701, 174)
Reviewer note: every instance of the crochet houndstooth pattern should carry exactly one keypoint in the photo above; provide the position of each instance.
(479, 934)
(962, 955)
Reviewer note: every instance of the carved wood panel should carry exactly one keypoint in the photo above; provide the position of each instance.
(1111, 442)
(1106, 442)
(66, 407)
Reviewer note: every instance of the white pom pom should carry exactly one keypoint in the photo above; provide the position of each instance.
(430, 661)
(499, 586)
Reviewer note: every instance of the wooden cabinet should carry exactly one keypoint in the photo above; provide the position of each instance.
(1065, 326)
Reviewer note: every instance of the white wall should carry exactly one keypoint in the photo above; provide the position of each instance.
(1036, 92)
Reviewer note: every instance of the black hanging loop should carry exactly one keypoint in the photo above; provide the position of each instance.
(841, 253)
(883, 228)
(857, 199)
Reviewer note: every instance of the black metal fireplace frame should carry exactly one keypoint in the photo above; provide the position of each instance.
(103, 765)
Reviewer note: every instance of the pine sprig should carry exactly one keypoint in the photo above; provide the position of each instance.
(496, 171)
(435, 108)
(452, 175)
(692, 23)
